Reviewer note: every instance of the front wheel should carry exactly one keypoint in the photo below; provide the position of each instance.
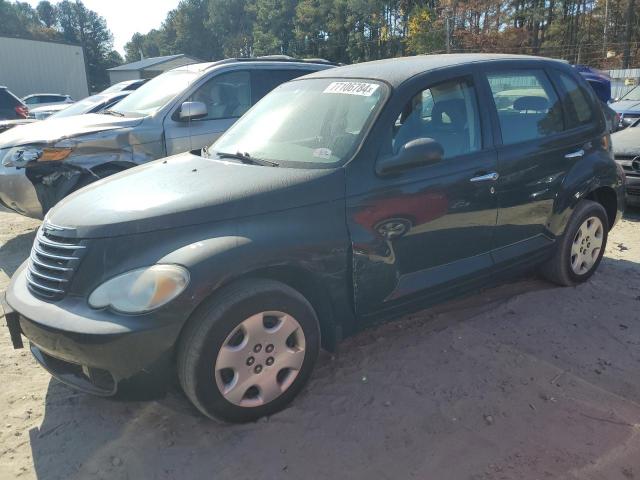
(580, 249)
(249, 351)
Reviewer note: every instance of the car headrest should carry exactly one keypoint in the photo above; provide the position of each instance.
(455, 109)
(536, 104)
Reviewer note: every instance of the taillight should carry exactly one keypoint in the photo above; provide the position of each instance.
(22, 111)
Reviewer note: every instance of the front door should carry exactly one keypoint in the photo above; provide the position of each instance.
(227, 96)
(427, 228)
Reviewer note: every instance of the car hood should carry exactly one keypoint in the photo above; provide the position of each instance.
(55, 129)
(627, 141)
(187, 190)
(626, 105)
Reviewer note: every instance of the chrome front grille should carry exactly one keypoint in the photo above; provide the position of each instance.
(52, 263)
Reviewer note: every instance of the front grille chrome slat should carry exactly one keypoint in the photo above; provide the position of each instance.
(47, 277)
(52, 263)
(62, 246)
(49, 266)
(32, 282)
(41, 252)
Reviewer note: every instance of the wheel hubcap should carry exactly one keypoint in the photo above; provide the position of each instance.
(587, 245)
(260, 359)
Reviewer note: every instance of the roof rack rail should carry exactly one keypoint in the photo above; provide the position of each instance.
(275, 58)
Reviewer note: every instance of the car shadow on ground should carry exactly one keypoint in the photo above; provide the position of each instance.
(15, 251)
(527, 379)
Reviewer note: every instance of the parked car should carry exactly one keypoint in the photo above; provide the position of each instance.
(628, 107)
(126, 85)
(181, 110)
(7, 124)
(11, 107)
(626, 147)
(237, 265)
(93, 104)
(45, 99)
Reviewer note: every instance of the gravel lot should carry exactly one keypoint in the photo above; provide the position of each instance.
(523, 381)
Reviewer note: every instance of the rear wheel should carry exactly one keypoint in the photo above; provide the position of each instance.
(582, 246)
(249, 351)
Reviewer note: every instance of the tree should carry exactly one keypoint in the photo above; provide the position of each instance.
(80, 25)
(47, 13)
(273, 30)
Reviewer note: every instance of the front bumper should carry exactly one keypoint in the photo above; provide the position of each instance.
(18, 193)
(92, 351)
(633, 190)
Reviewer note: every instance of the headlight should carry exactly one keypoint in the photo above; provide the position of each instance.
(141, 290)
(22, 156)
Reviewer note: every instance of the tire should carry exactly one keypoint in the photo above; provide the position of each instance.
(101, 173)
(566, 267)
(223, 331)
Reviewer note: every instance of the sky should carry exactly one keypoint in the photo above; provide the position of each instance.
(126, 17)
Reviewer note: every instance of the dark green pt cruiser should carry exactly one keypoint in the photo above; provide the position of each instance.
(342, 198)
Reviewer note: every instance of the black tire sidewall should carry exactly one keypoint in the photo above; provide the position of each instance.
(590, 209)
(206, 390)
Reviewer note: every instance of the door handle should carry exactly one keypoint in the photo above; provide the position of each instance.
(489, 177)
(576, 154)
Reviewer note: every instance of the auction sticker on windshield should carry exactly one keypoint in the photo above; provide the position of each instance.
(352, 88)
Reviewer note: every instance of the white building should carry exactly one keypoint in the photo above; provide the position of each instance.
(36, 66)
(149, 67)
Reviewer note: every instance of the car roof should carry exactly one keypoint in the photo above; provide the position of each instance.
(397, 70)
(279, 60)
(37, 94)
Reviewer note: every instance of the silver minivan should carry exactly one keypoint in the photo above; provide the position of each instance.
(181, 110)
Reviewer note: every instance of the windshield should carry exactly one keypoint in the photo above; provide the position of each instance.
(79, 108)
(632, 95)
(307, 123)
(156, 93)
(115, 88)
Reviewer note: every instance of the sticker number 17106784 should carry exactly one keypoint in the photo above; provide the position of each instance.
(352, 88)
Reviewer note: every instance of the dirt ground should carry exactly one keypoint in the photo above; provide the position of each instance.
(523, 381)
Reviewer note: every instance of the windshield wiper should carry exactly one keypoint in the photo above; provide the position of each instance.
(246, 158)
(114, 113)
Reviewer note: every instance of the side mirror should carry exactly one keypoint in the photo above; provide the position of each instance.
(192, 111)
(416, 153)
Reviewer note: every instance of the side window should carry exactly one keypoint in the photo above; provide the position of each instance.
(528, 107)
(264, 80)
(226, 96)
(447, 112)
(579, 108)
(32, 100)
(51, 99)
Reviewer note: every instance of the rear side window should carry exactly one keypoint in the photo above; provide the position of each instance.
(579, 108)
(528, 107)
(52, 98)
(263, 81)
(32, 100)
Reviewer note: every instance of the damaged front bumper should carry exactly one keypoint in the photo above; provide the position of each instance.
(18, 193)
(34, 189)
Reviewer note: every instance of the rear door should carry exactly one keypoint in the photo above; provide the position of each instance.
(538, 145)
